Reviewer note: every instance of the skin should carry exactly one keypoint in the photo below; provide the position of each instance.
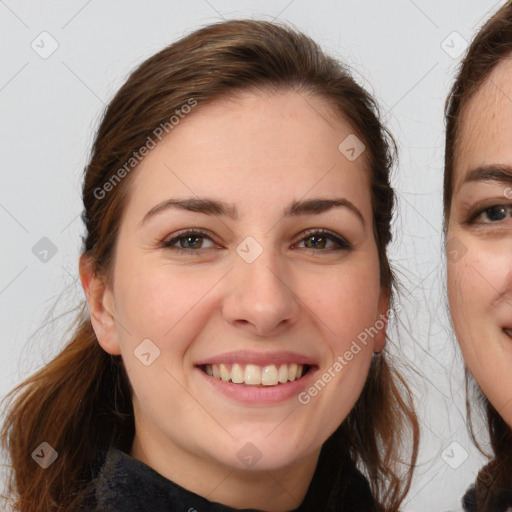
(480, 222)
(259, 152)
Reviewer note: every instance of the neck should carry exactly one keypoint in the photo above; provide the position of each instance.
(274, 490)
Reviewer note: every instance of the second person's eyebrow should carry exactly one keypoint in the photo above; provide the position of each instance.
(494, 172)
(210, 206)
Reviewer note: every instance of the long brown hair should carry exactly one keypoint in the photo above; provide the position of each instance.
(491, 46)
(80, 403)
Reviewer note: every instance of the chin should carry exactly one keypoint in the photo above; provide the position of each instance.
(256, 453)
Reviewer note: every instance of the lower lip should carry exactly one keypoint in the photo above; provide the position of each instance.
(260, 394)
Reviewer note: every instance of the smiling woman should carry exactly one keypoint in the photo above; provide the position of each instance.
(478, 221)
(240, 266)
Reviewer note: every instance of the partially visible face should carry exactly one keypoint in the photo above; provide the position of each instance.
(479, 239)
(252, 298)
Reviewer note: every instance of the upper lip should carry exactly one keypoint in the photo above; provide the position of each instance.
(258, 358)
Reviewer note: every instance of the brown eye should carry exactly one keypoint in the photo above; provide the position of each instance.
(319, 240)
(189, 241)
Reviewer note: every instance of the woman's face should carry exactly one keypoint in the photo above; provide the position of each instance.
(479, 239)
(256, 296)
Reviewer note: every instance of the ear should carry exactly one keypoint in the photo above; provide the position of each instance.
(101, 306)
(379, 340)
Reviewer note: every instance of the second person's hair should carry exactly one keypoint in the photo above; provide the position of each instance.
(491, 46)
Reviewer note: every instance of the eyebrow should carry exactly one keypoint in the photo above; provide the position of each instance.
(501, 173)
(215, 207)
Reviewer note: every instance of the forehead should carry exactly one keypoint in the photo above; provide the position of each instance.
(247, 121)
(486, 124)
(283, 143)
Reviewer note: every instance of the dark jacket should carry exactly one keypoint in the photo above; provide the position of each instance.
(501, 501)
(125, 484)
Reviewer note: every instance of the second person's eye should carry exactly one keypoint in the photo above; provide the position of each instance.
(494, 214)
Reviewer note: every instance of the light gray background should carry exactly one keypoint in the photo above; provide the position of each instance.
(51, 107)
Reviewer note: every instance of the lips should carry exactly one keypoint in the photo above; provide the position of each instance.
(508, 331)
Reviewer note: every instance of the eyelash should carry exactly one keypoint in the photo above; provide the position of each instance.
(343, 245)
(473, 216)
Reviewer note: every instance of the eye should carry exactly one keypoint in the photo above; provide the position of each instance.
(189, 241)
(493, 214)
(192, 241)
(318, 239)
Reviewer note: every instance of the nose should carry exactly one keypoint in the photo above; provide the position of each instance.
(261, 299)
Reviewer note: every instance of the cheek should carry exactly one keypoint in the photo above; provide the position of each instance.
(478, 279)
(347, 304)
(462, 287)
(469, 297)
(160, 303)
(480, 296)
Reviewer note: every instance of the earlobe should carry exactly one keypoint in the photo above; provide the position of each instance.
(101, 306)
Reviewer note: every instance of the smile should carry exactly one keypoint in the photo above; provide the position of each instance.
(255, 375)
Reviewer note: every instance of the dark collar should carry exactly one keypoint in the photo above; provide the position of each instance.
(500, 501)
(127, 484)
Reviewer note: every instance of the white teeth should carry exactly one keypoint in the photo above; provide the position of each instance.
(252, 374)
(224, 374)
(255, 375)
(237, 374)
(269, 375)
(283, 374)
